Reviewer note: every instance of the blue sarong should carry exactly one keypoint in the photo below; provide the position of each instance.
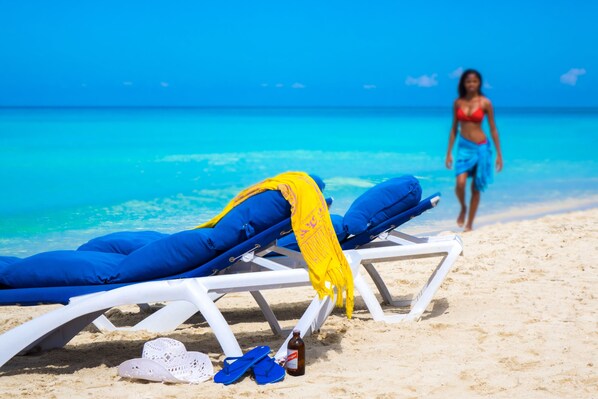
(476, 159)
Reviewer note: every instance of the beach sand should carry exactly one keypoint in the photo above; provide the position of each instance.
(516, 317)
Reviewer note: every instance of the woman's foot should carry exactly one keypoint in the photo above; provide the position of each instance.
(467, 228)
(461, 218)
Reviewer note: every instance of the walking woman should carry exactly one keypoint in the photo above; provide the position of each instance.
(474, 155)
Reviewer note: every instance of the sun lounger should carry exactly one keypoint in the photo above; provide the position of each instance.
(197, 288)
(376, 242)
(375, 218)
(380, 211)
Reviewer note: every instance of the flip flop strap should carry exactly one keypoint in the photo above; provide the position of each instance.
(228, 361)
(271, 363)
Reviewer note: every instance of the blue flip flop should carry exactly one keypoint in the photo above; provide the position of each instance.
(267, 371)
(235, 367)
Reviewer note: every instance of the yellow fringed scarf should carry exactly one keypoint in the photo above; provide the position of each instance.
(327, 266)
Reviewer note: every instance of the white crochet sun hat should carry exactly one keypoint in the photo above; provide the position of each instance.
(167, 360)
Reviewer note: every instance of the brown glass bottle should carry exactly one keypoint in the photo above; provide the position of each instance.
(295, 363)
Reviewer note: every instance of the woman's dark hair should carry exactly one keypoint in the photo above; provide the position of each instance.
(461, 88)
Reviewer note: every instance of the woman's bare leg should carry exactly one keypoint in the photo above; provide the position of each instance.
(460, 191)
(473, 206)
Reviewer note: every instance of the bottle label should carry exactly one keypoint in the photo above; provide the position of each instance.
(292, 359)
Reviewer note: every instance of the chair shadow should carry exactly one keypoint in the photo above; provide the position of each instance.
(233, 315)
(439, 307)
(110, 353)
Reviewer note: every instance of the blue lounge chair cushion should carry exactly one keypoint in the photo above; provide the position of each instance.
(318, 180)
(8, 260)
(5, 261)
(170, 255)
(61, 268)
(249, 218)
(290, 241)
(167, 256)
(122, 242)
(382, 202)
(253, 216)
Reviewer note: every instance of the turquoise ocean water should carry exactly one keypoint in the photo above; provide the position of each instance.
(71, 174)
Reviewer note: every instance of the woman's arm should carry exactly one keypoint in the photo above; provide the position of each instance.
(494, 132)
(452, 136)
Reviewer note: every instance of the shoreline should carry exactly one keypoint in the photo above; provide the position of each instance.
(529, 211)
(526, 212)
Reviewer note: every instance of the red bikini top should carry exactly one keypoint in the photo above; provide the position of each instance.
(476, 116)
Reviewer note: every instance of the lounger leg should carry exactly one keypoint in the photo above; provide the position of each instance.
(319, 309)
(450, 247)
(102, 323)
(57, 338)
(371, 302)
(325, 311)
(198, 295)
(307, 323)
(268, 313)
(383, 288)
(49, 331)
(424, 297)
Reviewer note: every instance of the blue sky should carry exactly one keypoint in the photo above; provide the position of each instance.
(295, 53)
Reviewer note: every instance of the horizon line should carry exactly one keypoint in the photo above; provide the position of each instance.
(586, 107)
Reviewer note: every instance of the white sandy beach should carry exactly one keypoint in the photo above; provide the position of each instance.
(516, 317)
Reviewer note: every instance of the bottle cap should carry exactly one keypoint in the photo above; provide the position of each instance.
(296, 330)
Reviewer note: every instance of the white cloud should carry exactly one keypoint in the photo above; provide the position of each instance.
(298, 86)
(422, 81)
(127, 83)
(279, 85)
(488, 86)
(369, 87)
(164, 84)
(456, 73)
(570, 78)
